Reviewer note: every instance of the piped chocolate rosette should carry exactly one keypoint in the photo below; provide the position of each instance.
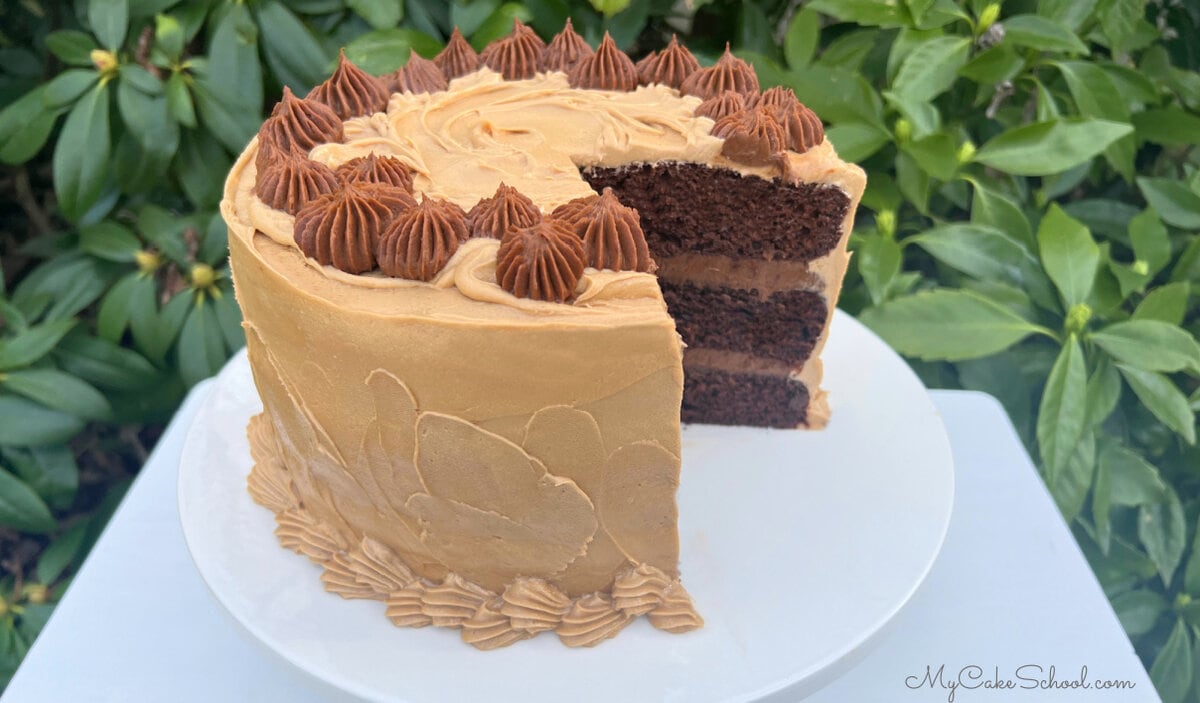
(531, 181)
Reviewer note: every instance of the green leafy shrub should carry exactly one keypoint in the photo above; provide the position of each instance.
(1029, 230)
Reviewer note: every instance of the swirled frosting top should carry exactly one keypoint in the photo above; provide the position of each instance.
(534, 135)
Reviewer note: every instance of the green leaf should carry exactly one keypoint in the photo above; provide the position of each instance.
(1050, 147)
(1103, 392)
(500, 23)
(1096, 95)
(923, 116)
(233, 76)
(1191, 573)
(837, 95)
(1062, 413)
(1047, 106)
(380, 14)
(104, 363)
(72, 281)
(855, 141)
(850, 50)
(73, 47)
(991, 208)
(996, 65)
(947, 325)
(469, 16)
(113, 316)
(874, 13)
(24, 423)
(20, 507)
(1169, 125)
(1069, 255)
(50, 471)
(234, 126)
(802, 38)
(931, 68)
(1173, 668)
(1042, 34)
(1163, 532)
(608, 8)
(1187, 266)
(1168, 303)
(229, 317)
(1149, 345)
(165, 231)
(81, 154)
(1069, 13)
(168, 36)
(385, 50)
(33, 344)
(147, 118)
(57, 391)
(1133, 481)
(977, 250)
(291, 51)
(913, 182)
(879, 262)
(24, 127)
(214, 246)
(1070, 485)
(1163, 399)
(66, 87)
(1173, 201)
(109, 20)
(61, 553)
(936, 154)
(201, 167)
(109, 240)
(201, 349)
(1151, 241)
(179, 100)
(1139, 610)
(148, 334)
(1118, 20)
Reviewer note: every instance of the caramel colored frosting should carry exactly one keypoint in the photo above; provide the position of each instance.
(564, 50)
(728, 73)
(485, 130)
(488, 619)
(670, 67)
(608, 68)
(350, 91)
(544, 261)
(457, 58)
(516, 56)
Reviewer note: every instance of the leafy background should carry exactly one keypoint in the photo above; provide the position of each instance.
(1029, 230)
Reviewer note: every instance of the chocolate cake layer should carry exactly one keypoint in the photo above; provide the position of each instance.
(724, 397)
(785, 326)
(700, 209)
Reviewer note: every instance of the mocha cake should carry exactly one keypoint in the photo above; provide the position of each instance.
(464, 287)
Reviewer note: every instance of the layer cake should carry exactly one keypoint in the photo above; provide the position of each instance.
(472, 380)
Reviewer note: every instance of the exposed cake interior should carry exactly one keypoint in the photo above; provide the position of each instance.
(734, 254)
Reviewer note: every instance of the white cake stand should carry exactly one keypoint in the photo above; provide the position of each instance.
(797, 547)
